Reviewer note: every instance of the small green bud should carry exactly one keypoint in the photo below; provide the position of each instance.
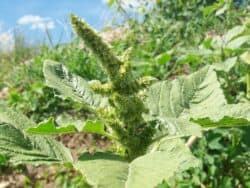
(147, 81)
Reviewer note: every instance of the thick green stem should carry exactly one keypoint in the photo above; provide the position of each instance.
(133, 132)
(248, 85)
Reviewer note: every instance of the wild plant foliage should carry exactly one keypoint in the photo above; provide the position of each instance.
(144, 118)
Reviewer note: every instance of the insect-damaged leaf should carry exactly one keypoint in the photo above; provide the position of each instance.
(93, 127)
(49, 127)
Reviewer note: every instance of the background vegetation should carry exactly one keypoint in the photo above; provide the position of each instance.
(166, 39)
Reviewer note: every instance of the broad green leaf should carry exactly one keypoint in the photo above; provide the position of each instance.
(20, 147)
(94, 127)
(87, 126)
(163, 58)
(238, 42)
(233, 39)
(170, 157)
(233, 111)
(227, 115)
(227, 65)
(176, 127)
(103, 170)
(168, 100)
(209, 9)
(234, 32)
(245, 57)
(147, 171)
(197, 96)
(71, 85)
(224, 122)
(49, 127)
(3, 160)
(221, 10)
(172, 98)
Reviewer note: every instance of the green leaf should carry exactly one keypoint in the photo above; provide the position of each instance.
(176, 127)
(221, 10)
(224, 122)
(49, 127)
(20, 147)
(197, 96)
(238, 42)
(173, 98)
(3, 160)
(94, 127)
(163, 58)
(71, 85)
(170, 157)
(245, 57)
(227, 65)
(147, 171)
(234, 32)
(227, 115)
(209, 9)
(170, 100)
(103, 170)
(235, 112)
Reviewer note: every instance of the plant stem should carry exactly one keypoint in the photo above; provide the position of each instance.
(248, 85)
(191, 141)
